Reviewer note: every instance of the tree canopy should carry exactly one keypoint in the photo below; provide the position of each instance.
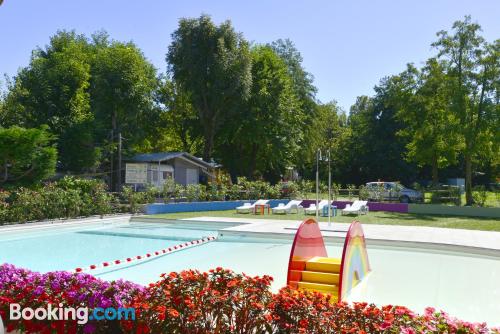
(253, 108)
(212, 64)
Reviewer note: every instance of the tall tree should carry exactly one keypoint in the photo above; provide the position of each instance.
(53, 90)
(263, 138)
(212, 64)
(376, 151)
(305, 92)
(473, 70)
(122, 92)
(430, 124)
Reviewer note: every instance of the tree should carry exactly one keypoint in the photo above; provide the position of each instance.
(375, 149)
(27, 156)
(53, 90)
(430, 124)
(331, 133)
(305, 93)
(122, 96)
(212, 65)
(263, 138)
(472, 67)
(178, 119)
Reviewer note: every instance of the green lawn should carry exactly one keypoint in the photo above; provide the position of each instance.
(383, 218)
(492, 199)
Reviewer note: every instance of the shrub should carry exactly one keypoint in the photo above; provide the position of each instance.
(219, 301)
(216, 302)
(480, 195)
(363, 193)
(133, 198)
(351, 188)
(4, 206)
(195, 192)
(34, 290)
(335, 190)
(94, 195)
(306, 186)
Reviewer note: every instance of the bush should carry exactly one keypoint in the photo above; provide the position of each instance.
(34, 290)
(66, 198)
(480, 195)
(219, 301)
(216, 302)
(94, 195)
(363, 193)
(195, 192)
(133, 198)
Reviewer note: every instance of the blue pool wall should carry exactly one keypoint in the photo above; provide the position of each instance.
(156, 208)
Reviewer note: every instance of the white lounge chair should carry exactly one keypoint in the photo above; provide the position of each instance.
(287, 208)
(357, 207)
(311, 210)
(249, 207)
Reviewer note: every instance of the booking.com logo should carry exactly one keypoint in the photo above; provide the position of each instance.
(81, 314)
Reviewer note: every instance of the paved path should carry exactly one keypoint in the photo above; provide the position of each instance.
(483, 242)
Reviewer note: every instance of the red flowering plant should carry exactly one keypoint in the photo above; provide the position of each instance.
(312, 312)
(220, 301)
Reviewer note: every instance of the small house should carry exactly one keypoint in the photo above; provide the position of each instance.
(155, 168)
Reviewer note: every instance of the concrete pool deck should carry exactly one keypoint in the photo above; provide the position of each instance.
(470, 241)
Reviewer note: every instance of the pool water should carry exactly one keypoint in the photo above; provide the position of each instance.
(69, 248)
(467, 287)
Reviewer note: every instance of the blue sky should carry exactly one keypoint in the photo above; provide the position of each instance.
(347, 45)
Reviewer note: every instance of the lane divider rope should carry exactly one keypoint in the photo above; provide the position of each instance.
(147, 256)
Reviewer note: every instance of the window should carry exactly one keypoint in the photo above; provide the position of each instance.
(167, 175)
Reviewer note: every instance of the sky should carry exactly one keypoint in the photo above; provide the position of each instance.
(348, 46)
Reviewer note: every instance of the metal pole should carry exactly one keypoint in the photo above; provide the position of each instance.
(112, 172)
(318, 153)
(119, 180)
(329, 189)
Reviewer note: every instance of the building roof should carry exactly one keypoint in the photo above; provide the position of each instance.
(164, 156)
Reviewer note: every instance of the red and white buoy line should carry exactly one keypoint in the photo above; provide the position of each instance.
(147, 256)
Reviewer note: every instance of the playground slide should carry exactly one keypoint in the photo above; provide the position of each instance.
(311, 269)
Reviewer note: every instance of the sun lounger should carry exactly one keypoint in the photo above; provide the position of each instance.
(311, 210)
(249, 207)
(357, 207)
(287, 208)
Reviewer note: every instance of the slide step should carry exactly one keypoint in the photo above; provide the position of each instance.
(320, 277)
(323, 264)
(324, 288)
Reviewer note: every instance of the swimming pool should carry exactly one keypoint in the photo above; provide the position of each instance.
(66, 248)
(465, 286)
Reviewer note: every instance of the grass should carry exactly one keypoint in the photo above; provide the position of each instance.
(492, 198)
(379, 217)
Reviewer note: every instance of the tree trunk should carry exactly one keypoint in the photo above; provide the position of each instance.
(209, 143)
(253, 161)
(468, 179)
(435, 175)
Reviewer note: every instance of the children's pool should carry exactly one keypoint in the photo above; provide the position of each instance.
(465, 286)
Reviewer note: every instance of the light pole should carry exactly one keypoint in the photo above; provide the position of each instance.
(329, 189)
(318, 157)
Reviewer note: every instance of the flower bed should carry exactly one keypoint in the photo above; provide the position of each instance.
(219, 301)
